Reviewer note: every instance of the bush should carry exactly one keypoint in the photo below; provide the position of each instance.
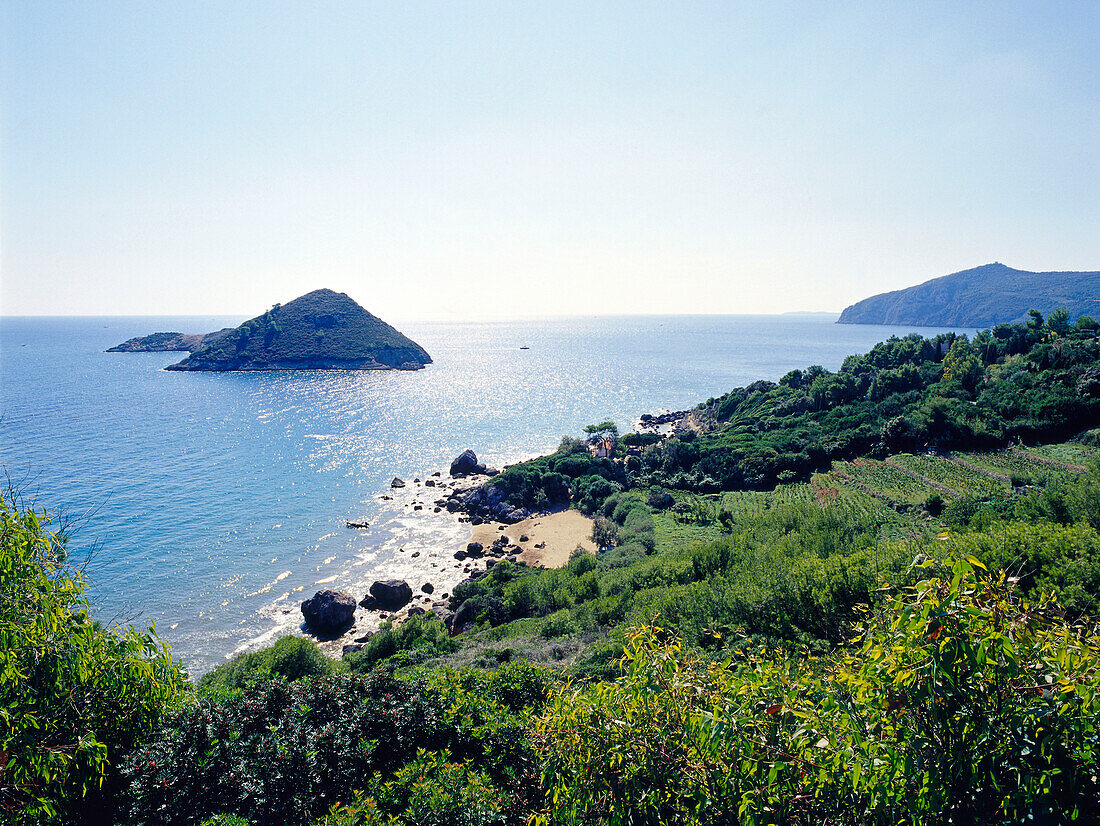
(429, 791)
(416, 639)
(934, 504)
(281, 752)
(960, 704)
(73, 695)
(291, 658)
(589, 492)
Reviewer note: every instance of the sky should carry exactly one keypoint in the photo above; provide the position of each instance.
(479, 160)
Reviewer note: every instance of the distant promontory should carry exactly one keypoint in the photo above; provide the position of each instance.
(322, 330)
(981, 297)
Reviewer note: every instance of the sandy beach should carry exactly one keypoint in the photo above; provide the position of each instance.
(558, 534)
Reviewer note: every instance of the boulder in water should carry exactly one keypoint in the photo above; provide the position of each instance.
(466, 464)
(329, 611)
(391, 593)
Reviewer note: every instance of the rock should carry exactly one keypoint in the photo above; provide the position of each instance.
(523, 537)
(353, 646)
(489, 563)
(464, 616)
(418, 507)
(365, 637)
(511, 557)
(368, 602)
(397, 483)
(416, 611)
(437, 473)
(329, 611)
(358, 524)
(460, 555)
(436, 509)
(474, 549)
(391, 593)
(429, 483)
(415, 554)
(427, 588)
(466, 464)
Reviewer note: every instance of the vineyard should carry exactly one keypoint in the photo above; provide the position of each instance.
(956, 477)
(883, 480)
(1019, 464)
(894, 490)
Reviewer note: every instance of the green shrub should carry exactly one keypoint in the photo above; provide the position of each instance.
(431, 790)
(960, 704)
(934, 504)
(281, 752)
(414, 640)
(290, 658)
(74, 696)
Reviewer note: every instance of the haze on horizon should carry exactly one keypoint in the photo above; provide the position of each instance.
(475, 161)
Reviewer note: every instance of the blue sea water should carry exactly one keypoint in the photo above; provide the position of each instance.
(212, 503)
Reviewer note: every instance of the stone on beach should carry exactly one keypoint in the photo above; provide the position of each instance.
(329, 611)
(391, 593)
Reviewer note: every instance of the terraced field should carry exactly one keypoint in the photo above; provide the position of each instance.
(903, 482)
(893, 483)
(1067, 453)
(957, 477)
(1008, 463)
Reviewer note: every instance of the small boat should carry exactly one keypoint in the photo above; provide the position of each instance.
(525, 347)
(358, 524)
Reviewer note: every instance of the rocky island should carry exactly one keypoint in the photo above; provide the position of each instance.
(981, 297)
(322, 330)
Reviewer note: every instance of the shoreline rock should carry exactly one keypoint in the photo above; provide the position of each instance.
(329, 611)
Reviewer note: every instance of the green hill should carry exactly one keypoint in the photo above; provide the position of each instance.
(981, 297)
(322, 330)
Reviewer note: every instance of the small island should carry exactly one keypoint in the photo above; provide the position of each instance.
(322, 330)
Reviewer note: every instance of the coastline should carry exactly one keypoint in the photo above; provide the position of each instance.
(546, 541)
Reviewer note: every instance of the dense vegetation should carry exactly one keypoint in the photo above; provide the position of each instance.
(980, 297)
(907, 636)
(1034, 381)
(318, 330)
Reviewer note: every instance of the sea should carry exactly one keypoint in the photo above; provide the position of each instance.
(211, 504)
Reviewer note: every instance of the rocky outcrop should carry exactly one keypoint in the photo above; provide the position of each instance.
(329, 611)
(391, 593)
(463, 617)
(487, 502)
(467, 465)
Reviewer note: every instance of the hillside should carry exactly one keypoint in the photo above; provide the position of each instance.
(322, 330)
(981, 297)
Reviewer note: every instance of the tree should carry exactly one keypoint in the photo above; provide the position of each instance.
(74, 696)
(604, 430)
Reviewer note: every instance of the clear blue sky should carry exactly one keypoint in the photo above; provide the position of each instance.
(485, 160)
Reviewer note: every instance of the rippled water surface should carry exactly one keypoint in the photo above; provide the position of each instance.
(215, 502)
